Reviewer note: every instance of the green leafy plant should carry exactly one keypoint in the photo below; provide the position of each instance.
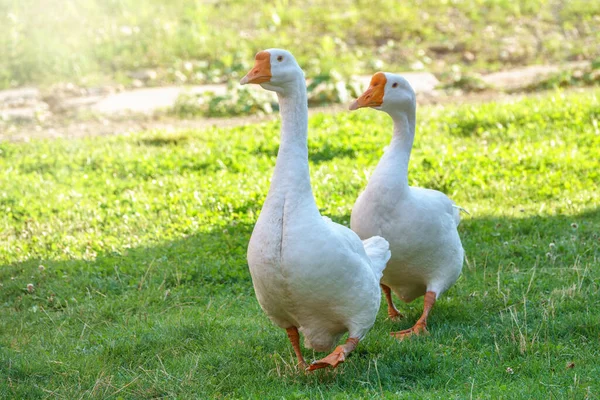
(94, 42)
(322, 90)
(237, 101)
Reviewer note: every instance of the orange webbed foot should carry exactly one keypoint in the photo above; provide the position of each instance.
(336, 357)
(420, 327)
(333, 360)
(417, 330)
(394, 314)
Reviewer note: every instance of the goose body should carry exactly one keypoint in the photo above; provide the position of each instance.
(420, 224)
(426, 250)
(309, 273)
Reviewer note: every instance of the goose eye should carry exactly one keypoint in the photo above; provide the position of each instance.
(395, 85)
(280, 58)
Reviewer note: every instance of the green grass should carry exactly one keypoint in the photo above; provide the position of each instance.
(91, 42)
(145, 290)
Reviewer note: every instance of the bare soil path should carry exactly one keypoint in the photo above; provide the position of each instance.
(26, 114)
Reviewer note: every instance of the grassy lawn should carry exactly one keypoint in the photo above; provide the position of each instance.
(92, 42)
(135, 247)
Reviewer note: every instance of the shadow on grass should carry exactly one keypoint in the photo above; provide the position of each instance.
(173, 305)
(316, 154)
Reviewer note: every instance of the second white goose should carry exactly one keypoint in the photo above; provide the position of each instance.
(420, 224)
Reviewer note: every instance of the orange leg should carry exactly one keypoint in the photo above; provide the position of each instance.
(421, 325)
(336, 357)
(393, 312)
(295, 339)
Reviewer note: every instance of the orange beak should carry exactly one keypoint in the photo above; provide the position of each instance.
(261, 72)
(373, 96)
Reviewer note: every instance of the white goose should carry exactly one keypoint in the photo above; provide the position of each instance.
(420, 224)
(309, 273)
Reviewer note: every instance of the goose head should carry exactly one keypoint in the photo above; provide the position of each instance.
(387, 92)
(275, 70)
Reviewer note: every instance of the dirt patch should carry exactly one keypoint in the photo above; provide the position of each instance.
(104, 126)
(29, 115)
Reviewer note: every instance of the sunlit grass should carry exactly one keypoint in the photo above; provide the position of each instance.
(93, 42)
(145, 292)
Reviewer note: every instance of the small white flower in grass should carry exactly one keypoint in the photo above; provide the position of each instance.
(126, 30)
(509, 370)
(574, 225)
(552, 246)
(30, 287)
(41, 268)
(505, 243)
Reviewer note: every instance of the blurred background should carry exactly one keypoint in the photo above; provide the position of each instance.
(75, 53)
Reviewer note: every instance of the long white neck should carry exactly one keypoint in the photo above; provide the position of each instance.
(392, 170)
(291, 176)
